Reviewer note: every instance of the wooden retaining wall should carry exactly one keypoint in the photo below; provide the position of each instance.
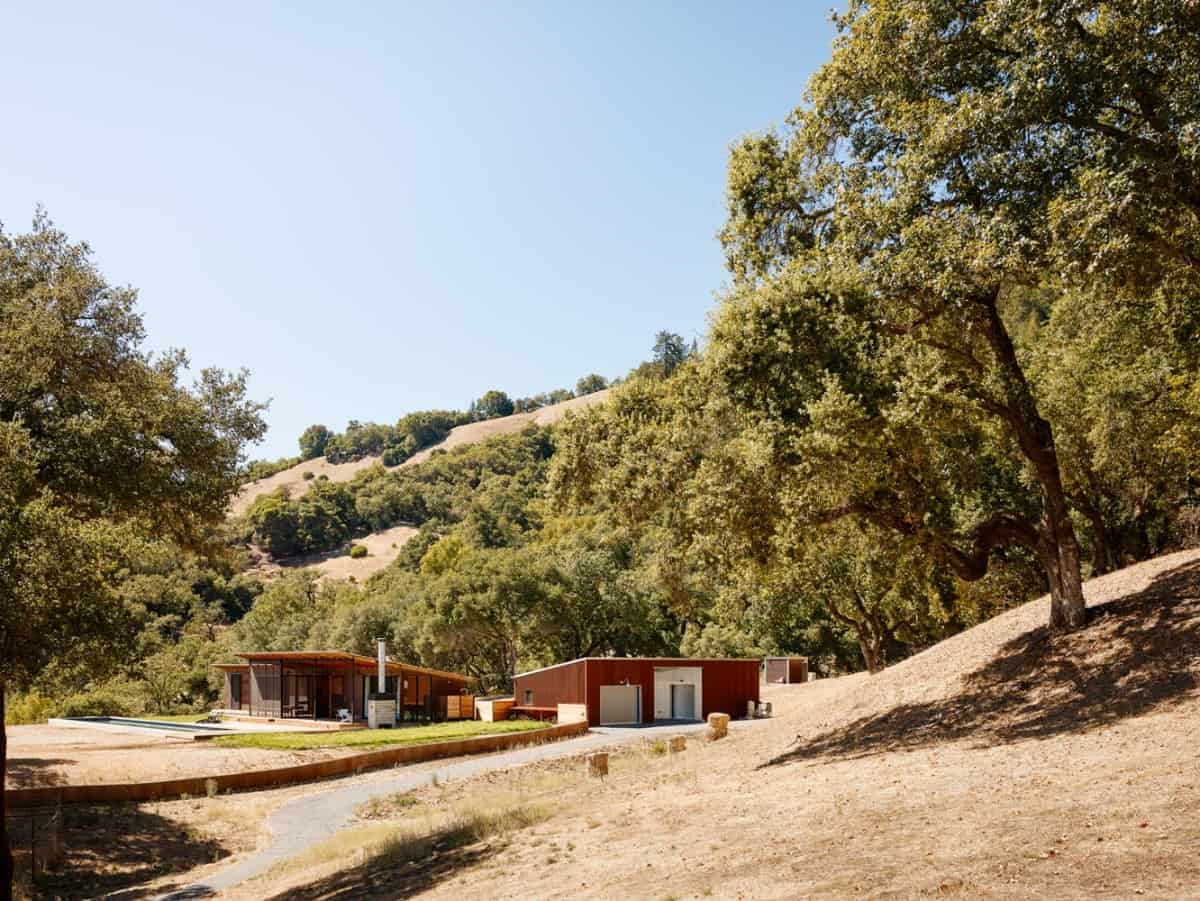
(199, 786)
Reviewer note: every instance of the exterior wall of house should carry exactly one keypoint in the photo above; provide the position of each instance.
(227, 698)
(784, 670)
(562, 684)
(726, 684)
(266, 689)
(320, 686)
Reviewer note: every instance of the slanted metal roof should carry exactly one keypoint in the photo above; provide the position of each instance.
(392, 666)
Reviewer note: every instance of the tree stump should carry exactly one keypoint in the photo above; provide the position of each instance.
(677, 743)
(718, 726)
(598, 765)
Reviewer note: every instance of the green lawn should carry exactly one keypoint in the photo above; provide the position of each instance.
(374, 738)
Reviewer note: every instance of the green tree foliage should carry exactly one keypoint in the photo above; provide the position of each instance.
(544, 399)
(492, 405)
(287, 612)
(949, 154)
(1121, 392)
(99, 441)
(734, 552)
(361, 439)
(670, 350)
(868, 583)
(313, 441)
(719, 640)
(395, 444)
(485, 484)
(590, 384)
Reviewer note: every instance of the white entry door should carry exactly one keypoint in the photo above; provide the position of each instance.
(678, 692)
(683, 701)
(620, 705)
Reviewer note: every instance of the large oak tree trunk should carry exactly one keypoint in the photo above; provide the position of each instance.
(6, 859)
(1068, 610)
(1058, 546)
(872, 652)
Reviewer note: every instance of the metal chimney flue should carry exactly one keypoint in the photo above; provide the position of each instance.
(381, 706)
(382, 645)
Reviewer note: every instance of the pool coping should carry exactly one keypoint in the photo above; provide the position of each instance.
(129, 724)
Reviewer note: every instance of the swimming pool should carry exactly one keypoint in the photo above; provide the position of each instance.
(157, 725)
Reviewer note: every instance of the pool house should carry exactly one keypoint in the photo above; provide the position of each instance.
(318, 685)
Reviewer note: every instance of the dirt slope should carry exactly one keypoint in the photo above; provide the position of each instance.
(1003, 763)
(293, 478)
(382, 548)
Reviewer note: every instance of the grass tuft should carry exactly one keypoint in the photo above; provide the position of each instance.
(465, 829)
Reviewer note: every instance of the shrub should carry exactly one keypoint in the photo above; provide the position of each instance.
(307, 475)
(358, 551)
(393, 456)
(94, 703)
(28, 709)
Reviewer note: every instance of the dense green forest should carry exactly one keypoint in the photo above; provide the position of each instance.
(957, 366)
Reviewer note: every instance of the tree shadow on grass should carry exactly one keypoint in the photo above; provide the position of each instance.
(381, 879)
(1136, 654)
(25, 772)
(411, 865)
(110, 848)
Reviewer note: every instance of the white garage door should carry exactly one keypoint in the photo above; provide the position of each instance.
(620, 704)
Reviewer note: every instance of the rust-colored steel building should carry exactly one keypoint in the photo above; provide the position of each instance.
(785, 670)
(628, 690)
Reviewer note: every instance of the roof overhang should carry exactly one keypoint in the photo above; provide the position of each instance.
(345, 658)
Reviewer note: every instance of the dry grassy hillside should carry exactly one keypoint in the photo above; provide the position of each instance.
(293, 478)
(384, 547)
(1006, 762)
(480, 431)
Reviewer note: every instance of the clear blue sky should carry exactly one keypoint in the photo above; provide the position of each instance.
(382, 208)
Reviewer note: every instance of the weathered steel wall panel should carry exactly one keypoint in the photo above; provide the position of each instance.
(227, 700)
(728, 684)
(563, 684)
(777, 670)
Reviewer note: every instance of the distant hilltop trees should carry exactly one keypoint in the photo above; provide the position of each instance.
(416, 431)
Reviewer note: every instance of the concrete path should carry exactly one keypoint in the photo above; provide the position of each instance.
(306, 821)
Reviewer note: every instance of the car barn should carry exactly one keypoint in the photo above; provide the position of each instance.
(631, 690)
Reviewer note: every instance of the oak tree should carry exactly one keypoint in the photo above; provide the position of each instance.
(100, 443)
